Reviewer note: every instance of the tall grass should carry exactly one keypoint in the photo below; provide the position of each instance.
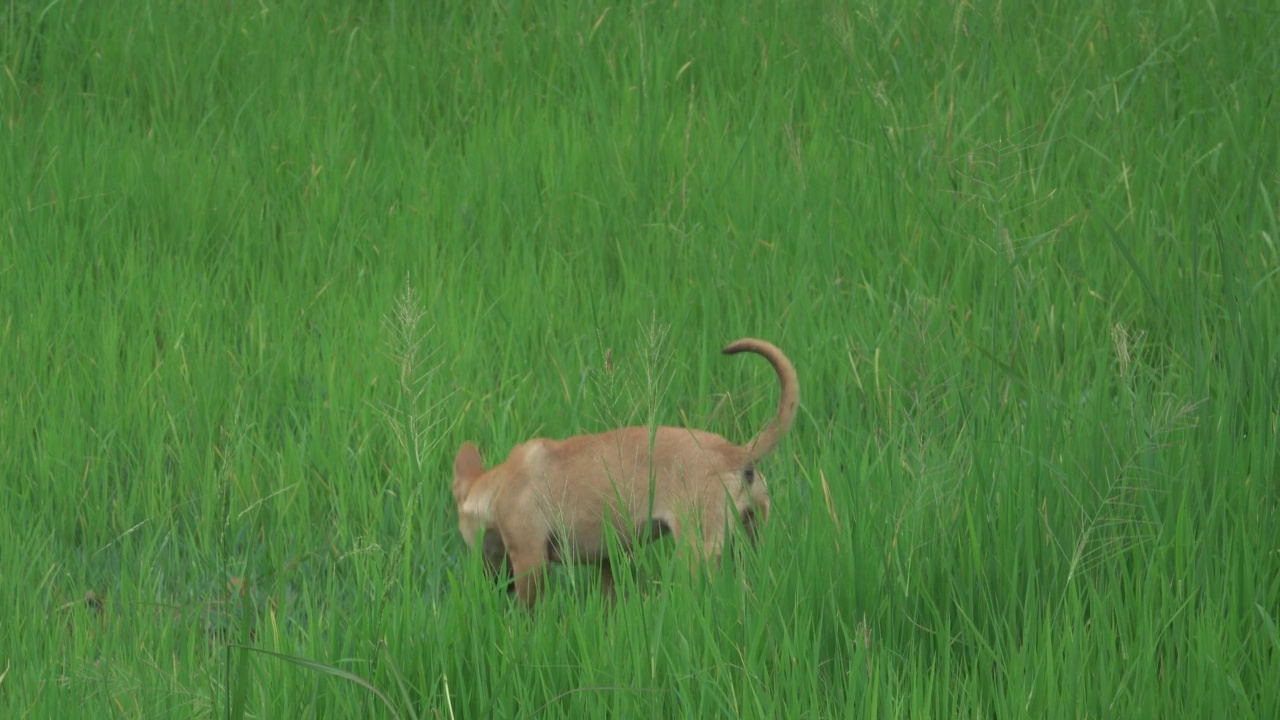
(1024, 257)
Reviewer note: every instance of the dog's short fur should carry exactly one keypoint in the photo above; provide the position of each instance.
(551, 500)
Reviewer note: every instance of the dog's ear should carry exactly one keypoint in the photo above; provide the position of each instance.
(466, 468)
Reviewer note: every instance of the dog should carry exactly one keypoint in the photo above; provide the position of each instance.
(551, 500)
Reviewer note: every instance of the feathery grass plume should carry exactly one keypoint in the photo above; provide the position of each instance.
(623, 392)
(1119, 523)
(657, 377)
(412, 420)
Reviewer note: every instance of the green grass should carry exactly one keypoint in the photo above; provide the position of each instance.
(1024, 257)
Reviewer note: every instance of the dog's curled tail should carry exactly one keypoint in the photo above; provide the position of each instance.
(768, 439)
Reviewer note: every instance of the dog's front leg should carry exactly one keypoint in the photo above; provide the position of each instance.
(606, 580)
(496, 563)
(529, 568)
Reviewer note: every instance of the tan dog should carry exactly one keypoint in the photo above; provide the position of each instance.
(551, 500)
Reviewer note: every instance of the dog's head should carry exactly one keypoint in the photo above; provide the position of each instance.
(474, 509)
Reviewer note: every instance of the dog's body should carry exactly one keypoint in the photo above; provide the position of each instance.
(551, 500)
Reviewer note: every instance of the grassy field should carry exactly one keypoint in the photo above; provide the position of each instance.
(263, 267)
